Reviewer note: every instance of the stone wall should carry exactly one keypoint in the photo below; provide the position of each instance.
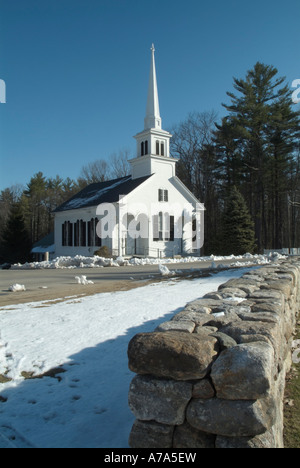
(214, 376)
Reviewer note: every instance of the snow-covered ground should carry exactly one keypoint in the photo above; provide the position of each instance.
(89, 337)
(80, 261)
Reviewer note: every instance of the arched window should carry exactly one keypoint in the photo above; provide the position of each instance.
(162, 149)
(146, 147)
(142, 149)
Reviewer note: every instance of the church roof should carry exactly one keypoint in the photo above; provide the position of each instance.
(101, 192)
(46, 244)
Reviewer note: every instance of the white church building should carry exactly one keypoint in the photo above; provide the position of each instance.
(149, 213)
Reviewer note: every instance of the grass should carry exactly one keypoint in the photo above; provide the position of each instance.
(50, 373)
(4, 379)
(292, 405)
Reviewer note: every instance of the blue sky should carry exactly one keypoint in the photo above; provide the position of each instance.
(76, 71)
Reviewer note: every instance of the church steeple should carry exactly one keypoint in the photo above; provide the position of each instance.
(153, 143)
(152, 119)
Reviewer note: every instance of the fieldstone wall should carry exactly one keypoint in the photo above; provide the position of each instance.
(214, 376)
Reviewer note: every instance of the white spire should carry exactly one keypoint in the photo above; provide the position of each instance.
(152, 119)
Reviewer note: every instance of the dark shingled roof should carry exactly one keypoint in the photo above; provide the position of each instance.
(46, 244)
(102, 192)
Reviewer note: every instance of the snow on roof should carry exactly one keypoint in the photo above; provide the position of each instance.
(46, 244)
(102, 192)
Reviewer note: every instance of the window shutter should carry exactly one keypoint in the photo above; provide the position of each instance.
(155, 228)
(172, 228)
(63, 234)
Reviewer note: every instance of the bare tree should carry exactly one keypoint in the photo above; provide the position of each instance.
(120, 166)
(192, 143)
(97, 171)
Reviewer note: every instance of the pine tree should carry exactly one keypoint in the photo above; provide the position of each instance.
(260, 134)
(15, 240)
(238, 227)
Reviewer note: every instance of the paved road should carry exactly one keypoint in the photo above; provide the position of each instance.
(59, 283)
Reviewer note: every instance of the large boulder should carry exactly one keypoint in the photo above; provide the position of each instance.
(150, 434)
(163, 401)
(186, 436)
(244, 372)
(172, 354)
(241, 418)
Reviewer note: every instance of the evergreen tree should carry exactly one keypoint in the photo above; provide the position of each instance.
(15, 240)
(35, 201)
(256, 144)
(238, 227)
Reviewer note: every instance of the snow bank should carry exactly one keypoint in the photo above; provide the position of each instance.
(83, 280)
(17, 288)
(80, 261)
(164, 271)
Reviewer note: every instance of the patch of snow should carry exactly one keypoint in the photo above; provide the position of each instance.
(219, 314)
(80, 261)
(88, 406)
(164, 270)
(78, 202)
(17, 288)
(83, 280)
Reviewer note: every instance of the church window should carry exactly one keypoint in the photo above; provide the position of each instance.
(67, 234)
(170, 228)
(142, 149)
(155, 228)
(76, 234)
(70, 234)
(98, 240)
(91, 233)
(63, 235)
(162, 149)
(146, 147)
(163, 195)
(82, 233)
(194, 224)
(160, 226)
(163, 227)
(157, 148)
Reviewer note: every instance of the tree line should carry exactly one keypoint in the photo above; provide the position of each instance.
(244, 168)
(251, 158)
(26, 213)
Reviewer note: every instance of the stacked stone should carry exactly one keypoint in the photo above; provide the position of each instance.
(214, 376)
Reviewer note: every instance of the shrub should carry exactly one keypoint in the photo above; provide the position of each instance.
(103, 251)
